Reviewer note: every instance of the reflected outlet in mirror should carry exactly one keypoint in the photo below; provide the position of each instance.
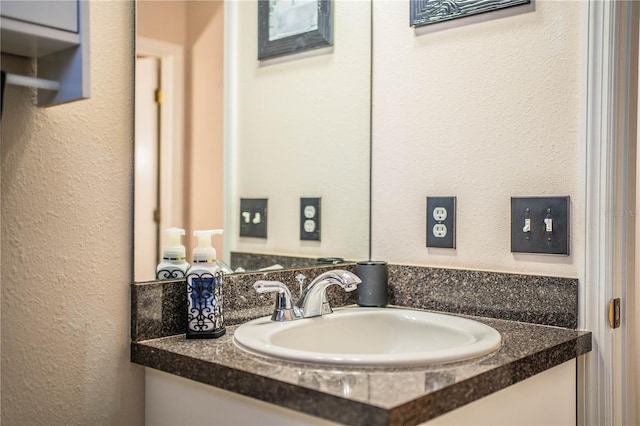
(310, 219)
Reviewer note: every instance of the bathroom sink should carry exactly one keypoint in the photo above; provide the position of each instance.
(370, 337)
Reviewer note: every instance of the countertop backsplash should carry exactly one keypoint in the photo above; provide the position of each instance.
(158, 309)
(526, 298)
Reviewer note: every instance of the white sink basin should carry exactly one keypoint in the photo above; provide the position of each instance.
(371, 337)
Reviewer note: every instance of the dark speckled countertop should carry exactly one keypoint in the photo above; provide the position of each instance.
(376, 396)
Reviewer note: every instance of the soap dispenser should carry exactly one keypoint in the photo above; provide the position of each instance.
(174, 258)
(205, 316)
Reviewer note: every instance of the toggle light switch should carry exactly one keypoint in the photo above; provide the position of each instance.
(546, 225)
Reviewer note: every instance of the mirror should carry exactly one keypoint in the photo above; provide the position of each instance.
(231, 127)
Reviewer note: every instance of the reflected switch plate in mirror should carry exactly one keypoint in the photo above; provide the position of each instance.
(253, 217)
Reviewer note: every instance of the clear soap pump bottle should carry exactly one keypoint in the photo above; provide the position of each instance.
(205, 316)
(174, 258)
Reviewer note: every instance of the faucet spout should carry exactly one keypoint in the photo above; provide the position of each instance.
(313, 300)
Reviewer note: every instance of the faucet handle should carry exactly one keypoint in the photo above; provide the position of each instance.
(284, 309)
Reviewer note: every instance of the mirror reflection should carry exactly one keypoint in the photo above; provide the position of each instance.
(215, 125)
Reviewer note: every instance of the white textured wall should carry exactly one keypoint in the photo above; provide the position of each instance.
(302, 127)
(483, 112)
(66, 243)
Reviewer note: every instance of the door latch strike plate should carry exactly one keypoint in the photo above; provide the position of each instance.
(614, 313)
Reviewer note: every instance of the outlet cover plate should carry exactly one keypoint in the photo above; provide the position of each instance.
(441, 222)
(537, 239)
(253, 217)
(310, 219)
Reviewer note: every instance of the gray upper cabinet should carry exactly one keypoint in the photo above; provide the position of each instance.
(56, 32)
(62, 15)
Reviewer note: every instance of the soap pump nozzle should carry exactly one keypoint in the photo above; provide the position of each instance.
(204, 252)
(173, 250)
(174, 264)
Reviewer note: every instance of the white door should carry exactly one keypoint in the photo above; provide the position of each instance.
(146, 188)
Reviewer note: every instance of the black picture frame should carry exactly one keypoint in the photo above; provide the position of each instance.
(300, 42)
(425, 12)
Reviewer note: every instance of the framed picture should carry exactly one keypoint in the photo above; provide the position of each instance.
(292, 26)
(425, 12)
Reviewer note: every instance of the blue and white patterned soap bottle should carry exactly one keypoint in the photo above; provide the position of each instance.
(205, 315)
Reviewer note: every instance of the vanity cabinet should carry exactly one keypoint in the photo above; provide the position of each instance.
(529, 380)
(56, 33)
(547, 398)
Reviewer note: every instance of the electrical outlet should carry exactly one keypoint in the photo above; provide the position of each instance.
(253, 217)
(310, 219)
(441, 214)
(439, 230)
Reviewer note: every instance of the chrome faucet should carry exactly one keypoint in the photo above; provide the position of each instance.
(313, 301)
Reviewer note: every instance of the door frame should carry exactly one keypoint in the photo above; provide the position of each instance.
(172, 146)
(609, 176)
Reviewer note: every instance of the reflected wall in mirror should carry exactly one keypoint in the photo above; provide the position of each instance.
(282, 129)
(183, 40)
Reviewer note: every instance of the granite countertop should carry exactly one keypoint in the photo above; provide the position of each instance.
(366, 396)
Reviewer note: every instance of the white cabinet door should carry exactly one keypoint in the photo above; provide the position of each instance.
(172, 400)
(548, 399)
